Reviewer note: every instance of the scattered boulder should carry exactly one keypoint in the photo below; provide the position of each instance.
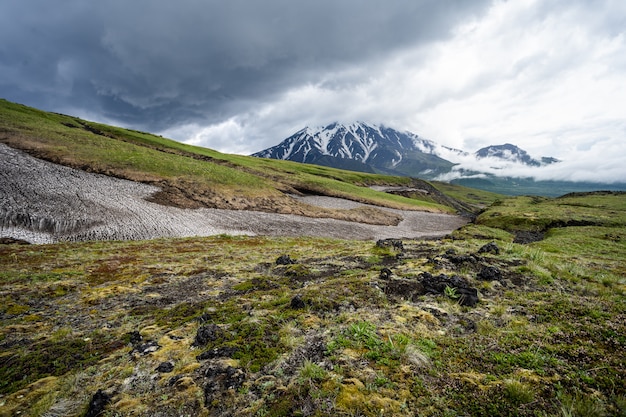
(390, 243)
(385, 273)
(134, 337)
(490, 247)
(182, 383)
(219, 381)
(404, 288)
(489, 273)
(204, 317)
(218, 352)
(205, 334)
(98, 403)
(466, 295)
(297, 303)
(173, 380)
(285, 260)
(460, 259)
(145, 348)
(165, 367)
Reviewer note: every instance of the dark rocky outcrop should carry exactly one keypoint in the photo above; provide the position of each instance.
(297, 302)
(134, 337)
(98, 403)
(285, 260)
(489, 273)
(385, 273)
(205, 334)
(461, 259)
(407, 289)
(466, 294)
(165, 367)
(390, 243)
(528, 236)
(218, 352)
(219, 381)
(145, 348)
(12, 241)
(490, 247)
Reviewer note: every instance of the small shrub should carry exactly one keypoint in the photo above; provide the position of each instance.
(312, 372)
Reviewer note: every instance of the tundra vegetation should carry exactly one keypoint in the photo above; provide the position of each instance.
(520, 313)
(215, 326)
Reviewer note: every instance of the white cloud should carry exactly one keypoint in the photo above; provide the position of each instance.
(552, 81)
(227, 136)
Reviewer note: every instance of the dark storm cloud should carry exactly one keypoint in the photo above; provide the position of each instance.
(156, 64)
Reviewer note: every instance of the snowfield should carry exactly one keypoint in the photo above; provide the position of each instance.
(42, 202)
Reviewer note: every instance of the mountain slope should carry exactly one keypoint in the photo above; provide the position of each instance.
(505, 169)
(373, 148)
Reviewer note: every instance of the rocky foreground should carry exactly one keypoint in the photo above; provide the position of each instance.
(41, 202)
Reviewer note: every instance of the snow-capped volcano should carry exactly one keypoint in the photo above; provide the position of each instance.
(361, 146)
(380, 149)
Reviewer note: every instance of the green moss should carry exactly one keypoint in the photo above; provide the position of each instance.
(51, 359)
(16, 309)
(256, 284)
(297, 271)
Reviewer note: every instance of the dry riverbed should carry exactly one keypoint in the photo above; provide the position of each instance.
(42, 202)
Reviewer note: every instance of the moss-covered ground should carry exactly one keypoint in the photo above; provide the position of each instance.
(343, 329)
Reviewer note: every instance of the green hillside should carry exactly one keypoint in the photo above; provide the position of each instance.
(191, 176)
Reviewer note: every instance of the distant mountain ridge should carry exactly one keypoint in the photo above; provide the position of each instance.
(376, 148)
(512, 153)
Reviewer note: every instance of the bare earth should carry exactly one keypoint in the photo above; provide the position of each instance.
(42, 202)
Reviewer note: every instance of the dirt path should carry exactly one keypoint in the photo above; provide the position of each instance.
(43, 202)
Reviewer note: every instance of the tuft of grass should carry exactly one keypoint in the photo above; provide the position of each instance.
(518, 393)
(579, 405)
(311, 372)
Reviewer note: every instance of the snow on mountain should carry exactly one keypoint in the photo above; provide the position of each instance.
(377, 148)
(507, 152)
(357, 141)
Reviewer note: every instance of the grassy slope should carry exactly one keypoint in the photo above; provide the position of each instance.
(472, 196)
(190, 176)
(546, 340)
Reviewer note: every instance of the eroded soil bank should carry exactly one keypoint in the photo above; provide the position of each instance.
(42, 202)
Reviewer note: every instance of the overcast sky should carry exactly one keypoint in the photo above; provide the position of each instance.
(242, 75)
